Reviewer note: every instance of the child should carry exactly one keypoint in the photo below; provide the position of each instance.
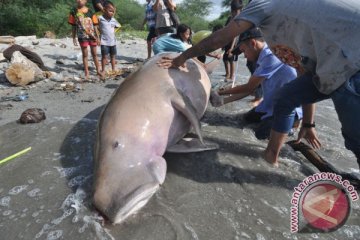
(83, 20)
(229, 58)
(108, 24)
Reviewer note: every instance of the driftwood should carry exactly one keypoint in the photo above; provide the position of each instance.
(323, 166)
(32, 56)
(7, 39)
(11, 39)
(25, 38)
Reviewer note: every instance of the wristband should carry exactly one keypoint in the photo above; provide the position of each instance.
(308, 125)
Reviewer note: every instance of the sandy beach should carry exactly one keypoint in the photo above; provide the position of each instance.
(230, 193)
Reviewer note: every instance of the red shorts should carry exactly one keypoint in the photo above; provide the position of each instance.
(86, 43)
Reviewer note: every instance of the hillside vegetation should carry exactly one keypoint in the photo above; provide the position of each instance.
(29, 17)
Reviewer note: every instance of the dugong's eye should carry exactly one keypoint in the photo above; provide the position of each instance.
(116, 144)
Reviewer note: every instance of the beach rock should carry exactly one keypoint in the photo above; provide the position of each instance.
(49, 34)
(19, 74)
(22, 71)
(32, 115)
(2, 58)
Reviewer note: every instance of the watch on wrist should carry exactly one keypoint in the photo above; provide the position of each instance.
(308, 125)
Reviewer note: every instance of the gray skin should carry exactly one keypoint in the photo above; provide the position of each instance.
(150, 111)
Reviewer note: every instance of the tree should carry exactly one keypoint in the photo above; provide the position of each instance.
(227, 3)
(197, 8)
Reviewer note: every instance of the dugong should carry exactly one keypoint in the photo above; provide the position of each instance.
(149, 112)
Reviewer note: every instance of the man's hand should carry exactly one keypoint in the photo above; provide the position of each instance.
(168, 62)
(310, 136)
(75, 42)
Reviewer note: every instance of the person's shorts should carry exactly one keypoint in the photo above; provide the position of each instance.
(252, 116)
(86, 43)
(233, 58)
(161, 30)
(105, 50)
(151, 35)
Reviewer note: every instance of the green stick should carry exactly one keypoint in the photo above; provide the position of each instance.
(15, 155)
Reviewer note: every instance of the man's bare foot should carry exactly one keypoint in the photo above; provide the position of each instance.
(270, 158)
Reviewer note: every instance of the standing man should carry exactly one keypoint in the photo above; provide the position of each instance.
(164, 24)
(320, 39)
(150, 20)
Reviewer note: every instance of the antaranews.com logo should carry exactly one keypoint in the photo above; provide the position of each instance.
(321, 203)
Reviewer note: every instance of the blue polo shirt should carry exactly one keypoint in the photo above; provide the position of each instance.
(276, 74)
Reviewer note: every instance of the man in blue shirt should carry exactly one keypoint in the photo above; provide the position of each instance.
(270, 73)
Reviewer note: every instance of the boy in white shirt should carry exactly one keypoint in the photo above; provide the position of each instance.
(108, 24)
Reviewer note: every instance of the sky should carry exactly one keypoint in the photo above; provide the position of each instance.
(215, 11)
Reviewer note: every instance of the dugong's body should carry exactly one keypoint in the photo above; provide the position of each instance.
(150, 111)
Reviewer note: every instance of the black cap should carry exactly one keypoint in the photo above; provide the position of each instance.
(249, 34)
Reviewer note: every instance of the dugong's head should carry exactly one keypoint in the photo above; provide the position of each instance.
(127, 173)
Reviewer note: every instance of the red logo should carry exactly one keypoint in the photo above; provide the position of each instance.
(325, 206)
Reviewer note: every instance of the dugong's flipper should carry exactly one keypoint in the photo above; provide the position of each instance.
(182, 103)
(188, 145)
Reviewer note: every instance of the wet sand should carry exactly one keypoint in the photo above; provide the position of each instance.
(230, 193)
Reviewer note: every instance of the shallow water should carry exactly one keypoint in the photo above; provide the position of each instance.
(230, 193)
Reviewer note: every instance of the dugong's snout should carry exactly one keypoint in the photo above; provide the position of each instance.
(118, 199)
(119, 208)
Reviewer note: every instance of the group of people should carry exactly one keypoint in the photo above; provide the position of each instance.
(319, 40)
(95, 29)
(298, 55)
(169, 34)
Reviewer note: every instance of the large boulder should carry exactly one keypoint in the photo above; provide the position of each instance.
(22, 71)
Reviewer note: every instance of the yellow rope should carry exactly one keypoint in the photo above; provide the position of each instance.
(14, 155)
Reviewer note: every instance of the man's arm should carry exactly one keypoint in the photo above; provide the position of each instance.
(247, 88)
(216, 40)
(156, 5)
(171, 5)
(307, 131)
(237, 93)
